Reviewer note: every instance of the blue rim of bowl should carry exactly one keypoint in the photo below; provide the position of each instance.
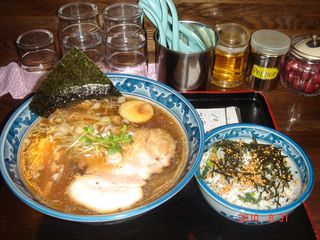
(106, 217)
(237, 208)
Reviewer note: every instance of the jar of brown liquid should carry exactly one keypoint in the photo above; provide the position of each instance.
(231, 55)
(268, 48)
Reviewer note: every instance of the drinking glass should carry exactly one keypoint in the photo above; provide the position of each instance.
(126, 50)
(36, 50)
(121, 13)
(79, 27)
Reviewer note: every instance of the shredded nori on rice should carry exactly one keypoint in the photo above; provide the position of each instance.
(265, 168)
(74, 78)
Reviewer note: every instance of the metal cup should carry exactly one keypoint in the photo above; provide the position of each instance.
(187, 70)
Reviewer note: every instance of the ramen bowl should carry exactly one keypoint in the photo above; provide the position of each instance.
(159, 94)
(240, 204)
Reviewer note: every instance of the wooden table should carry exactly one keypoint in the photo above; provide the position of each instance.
(296, 116)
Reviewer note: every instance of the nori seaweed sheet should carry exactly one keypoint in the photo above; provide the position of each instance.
(73, 79)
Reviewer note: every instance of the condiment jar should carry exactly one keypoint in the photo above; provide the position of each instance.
(231, 55)
(301, 69)
(268, 48)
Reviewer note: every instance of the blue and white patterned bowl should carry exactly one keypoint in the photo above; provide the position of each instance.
(23, 119)
(266, 135)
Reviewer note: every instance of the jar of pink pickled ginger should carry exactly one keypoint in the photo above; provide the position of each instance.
(301, 68)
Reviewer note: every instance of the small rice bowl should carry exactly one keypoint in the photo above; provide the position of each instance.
(237, 191)
(243, 188)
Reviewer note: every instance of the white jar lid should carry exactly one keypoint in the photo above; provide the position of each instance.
(308, 47)
(270, 42)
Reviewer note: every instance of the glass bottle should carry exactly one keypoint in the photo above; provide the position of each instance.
(231, 55)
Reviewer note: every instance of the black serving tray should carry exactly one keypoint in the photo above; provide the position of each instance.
(253, 105)
(186, 215)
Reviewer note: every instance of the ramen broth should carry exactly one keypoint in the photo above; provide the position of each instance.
(88, 159)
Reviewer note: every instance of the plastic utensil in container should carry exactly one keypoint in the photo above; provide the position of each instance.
(301, 69)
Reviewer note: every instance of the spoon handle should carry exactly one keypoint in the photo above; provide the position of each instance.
(157, 12)
(175, 25)
(153, 17)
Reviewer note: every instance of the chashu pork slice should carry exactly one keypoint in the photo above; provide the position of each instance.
(104, 193)
(112, 189)
(151, 151)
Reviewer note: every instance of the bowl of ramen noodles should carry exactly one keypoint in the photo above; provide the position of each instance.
(253, 174)
(103, 159)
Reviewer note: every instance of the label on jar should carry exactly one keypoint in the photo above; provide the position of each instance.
(264, 73)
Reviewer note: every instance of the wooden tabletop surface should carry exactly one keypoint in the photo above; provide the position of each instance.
(296, 116)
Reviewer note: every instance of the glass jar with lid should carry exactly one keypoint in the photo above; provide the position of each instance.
(301, 69)
(231, 55)
(268, 48)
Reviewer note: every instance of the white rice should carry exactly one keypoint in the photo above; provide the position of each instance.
(218, 184)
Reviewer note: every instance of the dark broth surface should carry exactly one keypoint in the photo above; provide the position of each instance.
(53, 153)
